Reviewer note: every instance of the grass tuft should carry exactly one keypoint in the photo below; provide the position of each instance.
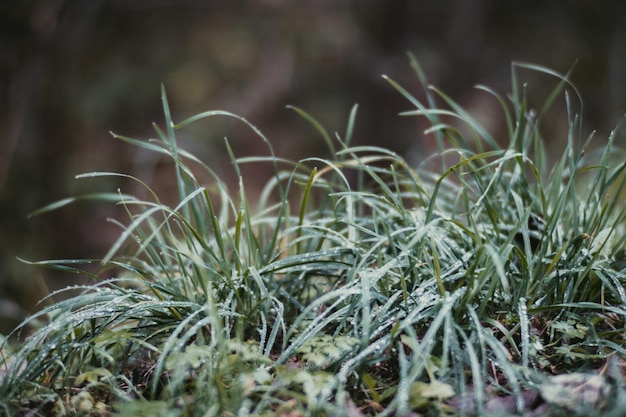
(353, 285)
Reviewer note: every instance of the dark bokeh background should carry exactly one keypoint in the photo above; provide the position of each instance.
(72, 70)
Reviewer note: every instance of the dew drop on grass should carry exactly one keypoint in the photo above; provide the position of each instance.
(380, 328)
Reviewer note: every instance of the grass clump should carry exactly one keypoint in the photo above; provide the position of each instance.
(356, 285)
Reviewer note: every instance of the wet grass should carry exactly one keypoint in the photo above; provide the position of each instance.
(487, 281)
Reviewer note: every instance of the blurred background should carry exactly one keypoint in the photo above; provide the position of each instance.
(73, 70)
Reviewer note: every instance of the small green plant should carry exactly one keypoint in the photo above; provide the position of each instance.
(354, 285)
